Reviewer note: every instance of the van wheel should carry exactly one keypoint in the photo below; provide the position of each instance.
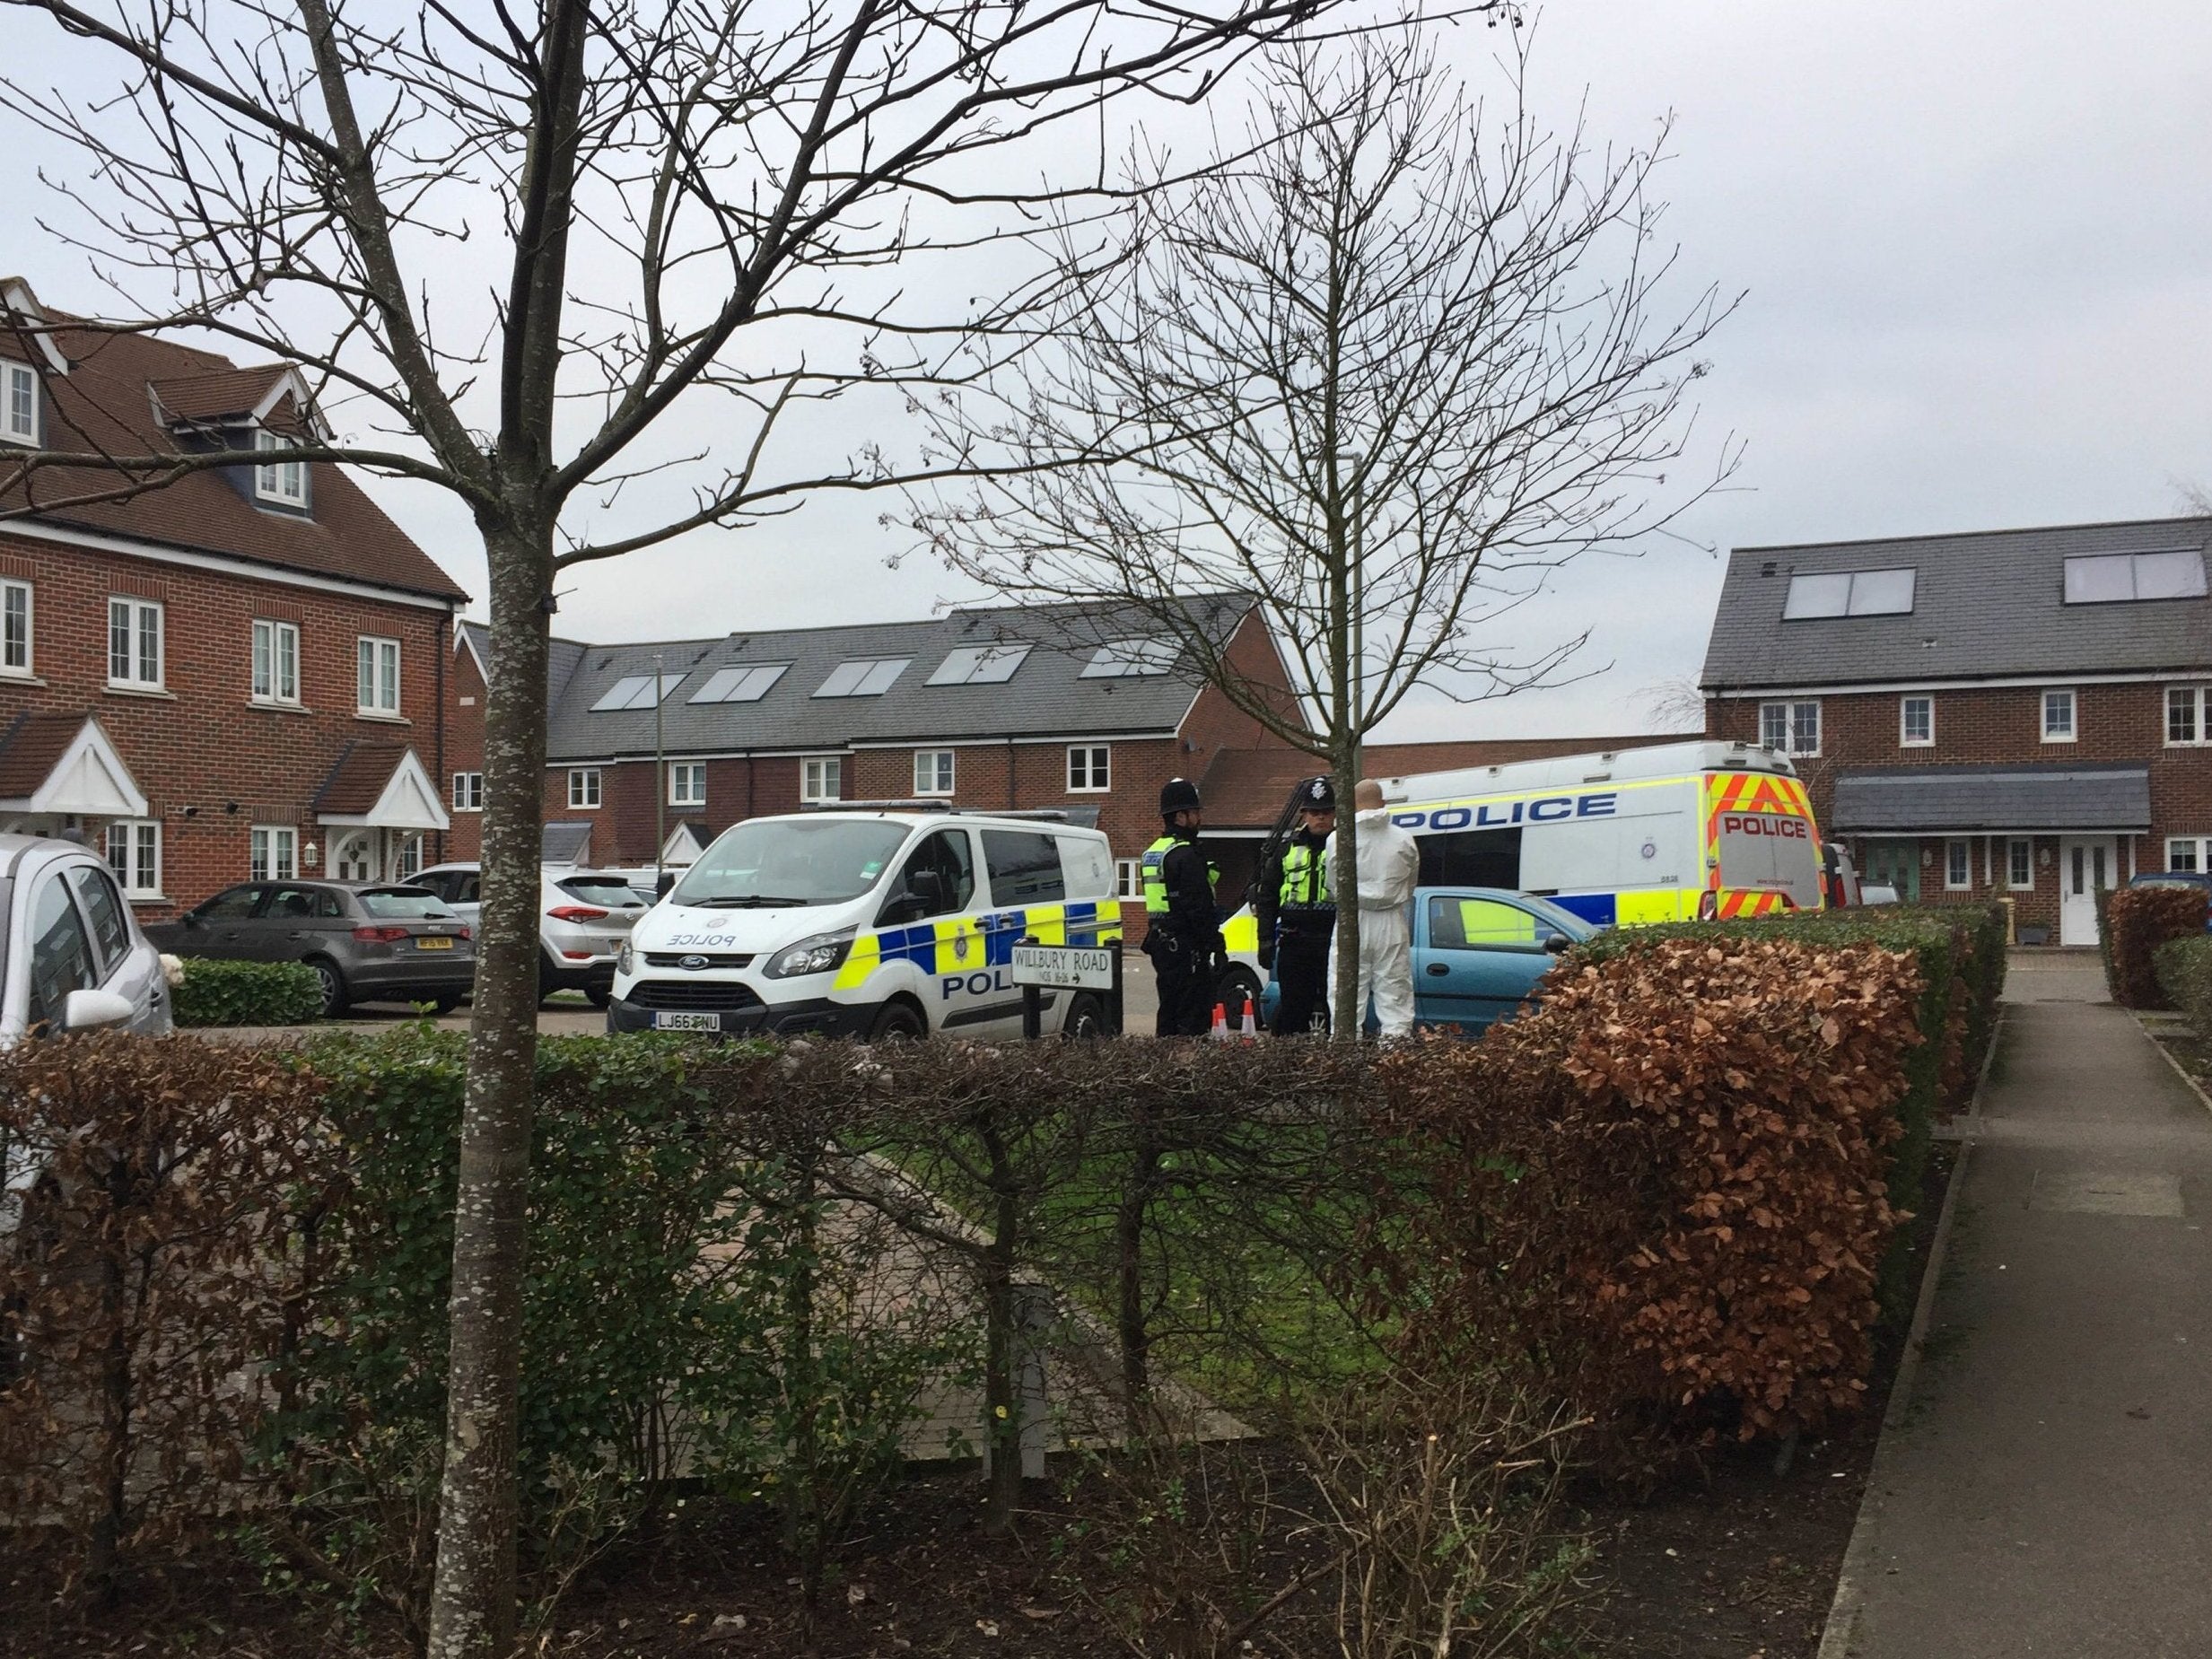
(333, 986)
(1086, 1018)
(1232, 990)
(599, 996)
(898, 1023)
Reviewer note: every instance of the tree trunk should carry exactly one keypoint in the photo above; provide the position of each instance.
(472, 1613)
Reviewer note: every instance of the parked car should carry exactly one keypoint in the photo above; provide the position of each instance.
(584, 917)
(75, 957)
(2173, 878)
(368, 941)
(1478, 952)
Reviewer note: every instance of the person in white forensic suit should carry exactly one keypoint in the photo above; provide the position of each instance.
(1389, 870)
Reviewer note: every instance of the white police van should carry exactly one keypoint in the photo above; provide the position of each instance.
(872, 920)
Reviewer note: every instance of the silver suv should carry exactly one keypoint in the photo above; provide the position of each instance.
(584, 917)
(75, 956)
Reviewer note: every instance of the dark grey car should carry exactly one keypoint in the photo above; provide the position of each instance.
(369, 941)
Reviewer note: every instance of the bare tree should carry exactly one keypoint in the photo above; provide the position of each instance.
(1384, 366)
(527, 257)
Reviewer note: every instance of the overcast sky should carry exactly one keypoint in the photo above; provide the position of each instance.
(1975, 241)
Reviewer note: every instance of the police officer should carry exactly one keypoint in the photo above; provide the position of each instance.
(1183, 935)
(1297, 912)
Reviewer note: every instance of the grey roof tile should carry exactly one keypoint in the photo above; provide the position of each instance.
(1987, 604)
(1046, 697)
(2053, 796)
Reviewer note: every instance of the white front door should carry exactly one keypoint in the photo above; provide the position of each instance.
(2085, 863)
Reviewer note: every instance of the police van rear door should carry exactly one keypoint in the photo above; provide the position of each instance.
(1769, 851)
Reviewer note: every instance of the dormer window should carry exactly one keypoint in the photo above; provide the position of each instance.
(20, 408)
(285, 483)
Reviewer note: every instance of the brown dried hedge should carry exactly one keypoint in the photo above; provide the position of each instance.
(2137, 922)
(1667, 1185)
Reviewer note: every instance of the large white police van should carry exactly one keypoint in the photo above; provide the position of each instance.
(874, 920)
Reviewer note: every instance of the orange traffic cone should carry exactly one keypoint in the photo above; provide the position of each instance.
(1219, 1033)
(1251, 1030)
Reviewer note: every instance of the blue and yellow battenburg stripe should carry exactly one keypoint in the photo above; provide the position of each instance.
(960, 944)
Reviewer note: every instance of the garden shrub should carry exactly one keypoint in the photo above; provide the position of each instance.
(1668, 1181)
(2184, 969)
(247, 994)
(2138, 921)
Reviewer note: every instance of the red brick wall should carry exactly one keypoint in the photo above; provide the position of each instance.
(464, 749)
(2004, 725)
(206, 746)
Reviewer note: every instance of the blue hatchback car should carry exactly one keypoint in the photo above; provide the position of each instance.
(1478, 952)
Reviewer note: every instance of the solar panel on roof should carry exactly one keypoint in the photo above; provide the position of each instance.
(1126, 657)
(749, 683)
(980, 665)
(635, 691)
(864, 677)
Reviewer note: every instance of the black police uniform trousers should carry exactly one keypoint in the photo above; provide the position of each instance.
(1302, 972)
(1184, 972)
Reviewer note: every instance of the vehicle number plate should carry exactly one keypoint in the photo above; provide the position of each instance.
(434, 944)
(688, 1022)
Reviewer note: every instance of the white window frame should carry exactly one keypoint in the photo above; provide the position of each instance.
(2019, 844)
(1958, 855)
(20, 375)
(268, 638)
(273, 852)
(1099, 777)
(2197, 845)
(694, 774)
(2073, 714)
(136, 860)
(9, 590)
(135, 611)
(1129, 879)
(821, 779)
(586, 791)
(376, 652)
(468, 792)
(934, 770)
(283, 482)
(1905, 740)
(2198, 701)
(1789, 708)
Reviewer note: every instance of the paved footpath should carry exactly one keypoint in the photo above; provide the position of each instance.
(2050, 1490)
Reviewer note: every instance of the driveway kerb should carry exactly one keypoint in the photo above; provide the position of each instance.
(2180, 1070)
(1844, 1613)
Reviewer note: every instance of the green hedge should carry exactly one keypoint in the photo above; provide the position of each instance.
(247, 994)
(1959, 949)
(2184, 968)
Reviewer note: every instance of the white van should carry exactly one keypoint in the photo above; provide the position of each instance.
(872, 921)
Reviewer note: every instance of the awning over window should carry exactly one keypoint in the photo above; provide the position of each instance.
(66, 764)
(565, 840)
(2051, 799)
(381, 786)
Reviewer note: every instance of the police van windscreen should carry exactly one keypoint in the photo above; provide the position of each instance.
(777, 862)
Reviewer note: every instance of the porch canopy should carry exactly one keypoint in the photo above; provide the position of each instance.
(2057, 797)
(381, 786)
(66, 764)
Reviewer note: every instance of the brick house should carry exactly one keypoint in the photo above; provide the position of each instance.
(2020, 715)
(1066, 708)
(241, 674)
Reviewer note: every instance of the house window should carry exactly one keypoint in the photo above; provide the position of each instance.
(135, 855)
(283, 482)
(2059, 717)
(135, 643)
(15, 627)
(2192, 853)
(1090, 768)
(468, 792)
(583, 788)
(932, 772)
(1958, 865)
(821, 777)
(376, 676)
(2020, 863)
(2189, 719)
(22, 404)
(274, 854)
(687, 784)
(1793, 728)
(275, 662)
(1916, 722)
(1128, 878)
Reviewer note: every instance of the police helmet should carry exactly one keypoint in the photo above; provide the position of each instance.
(1179, 795)
(1316, 795)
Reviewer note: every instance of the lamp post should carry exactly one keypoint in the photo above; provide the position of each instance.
(661, 778)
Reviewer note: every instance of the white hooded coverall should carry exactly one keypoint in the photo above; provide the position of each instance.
(1389, 868)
